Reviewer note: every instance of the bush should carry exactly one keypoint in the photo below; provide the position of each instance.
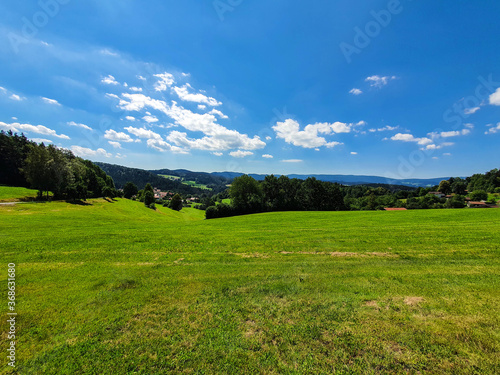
(211, 212)
(479, 195)
(497, 190)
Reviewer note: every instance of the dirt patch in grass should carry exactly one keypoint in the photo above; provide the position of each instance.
(371, 303)
(413, 301)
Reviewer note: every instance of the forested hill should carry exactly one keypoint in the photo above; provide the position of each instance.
(121, 175)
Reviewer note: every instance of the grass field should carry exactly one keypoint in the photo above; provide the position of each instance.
(16, 194)
(116, 288)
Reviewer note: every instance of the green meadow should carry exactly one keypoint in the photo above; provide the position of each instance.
(16, 194)
(112, 287)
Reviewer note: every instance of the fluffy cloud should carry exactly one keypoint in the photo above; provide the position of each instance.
(410, 138)
(217, 137)
(267, 156)
(493, 129)
(495, 97)
(87, 152)
(83, 126)
(433, 146)
(135, 89)
(110, 80)
(150, 119)
(115, 144)
(217, 153)
(240, 154)
(165, 81)
(130, 118)
(471, 111)
(51, 101)
(38, 129)
(354, 153)
(118, 137)
(184, 94)
(16, 97)
(289, 130)
(378, 81)
(41, 140)
(355, 91)
(143, 133)
(449, 134)
(292, 161)
(385, 128)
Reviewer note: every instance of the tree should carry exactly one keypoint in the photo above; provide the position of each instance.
(176, 202)
(35, 169)
(458, 186)
(479, 195)
(444, 187)
(457, 201)
(129, 190)
(246, 195)
(149, 198)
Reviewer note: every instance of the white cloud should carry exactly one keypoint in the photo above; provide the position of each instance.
(115, 144)
(292, 161)
(39, 129)
(184, 94)
(202, 107)
(378, 81)
(469, 126)
(107, 52)
(141, 78)
(354, 153)
(267, 156)
(130, 118)
(268, 138)
(83, 126)
(41, 140)
(446, 154)
(218, 113)
(217, 137)
(143, 133)
(410, 138)
(471, 111)
(217, 153)
(165, 80)
(135, 89)
(120, 156)
(112, 135)
(385, 128)
(110, 80)
(3, 89)
(433, 146)
(50, 101)
(309, 137)
(495, 97)
(16, 97)
(150, 119)
(162, 146)
(240, 154)
(449, 134)
(355, 91)
(87, 152)
(492, 130)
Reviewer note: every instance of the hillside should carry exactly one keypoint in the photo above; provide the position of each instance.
(121, 175)
(120, 288)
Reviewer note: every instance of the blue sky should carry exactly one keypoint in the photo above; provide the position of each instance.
(403, 89)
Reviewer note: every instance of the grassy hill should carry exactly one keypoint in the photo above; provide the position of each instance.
(16, 194)
(116, 288)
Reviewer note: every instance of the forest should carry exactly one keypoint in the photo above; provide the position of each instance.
(26, 163)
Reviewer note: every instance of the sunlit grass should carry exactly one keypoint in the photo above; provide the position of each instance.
(117, 288)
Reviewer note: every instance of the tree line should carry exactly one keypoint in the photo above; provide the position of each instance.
(290, 194)
(51, 169)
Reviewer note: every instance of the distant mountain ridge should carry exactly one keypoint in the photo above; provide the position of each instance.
(349, 179)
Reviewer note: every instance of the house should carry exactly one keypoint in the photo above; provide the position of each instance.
(472, 204)
(394, 209)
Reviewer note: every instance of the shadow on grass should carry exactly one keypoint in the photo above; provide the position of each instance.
(79, 202)
(110, 200)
